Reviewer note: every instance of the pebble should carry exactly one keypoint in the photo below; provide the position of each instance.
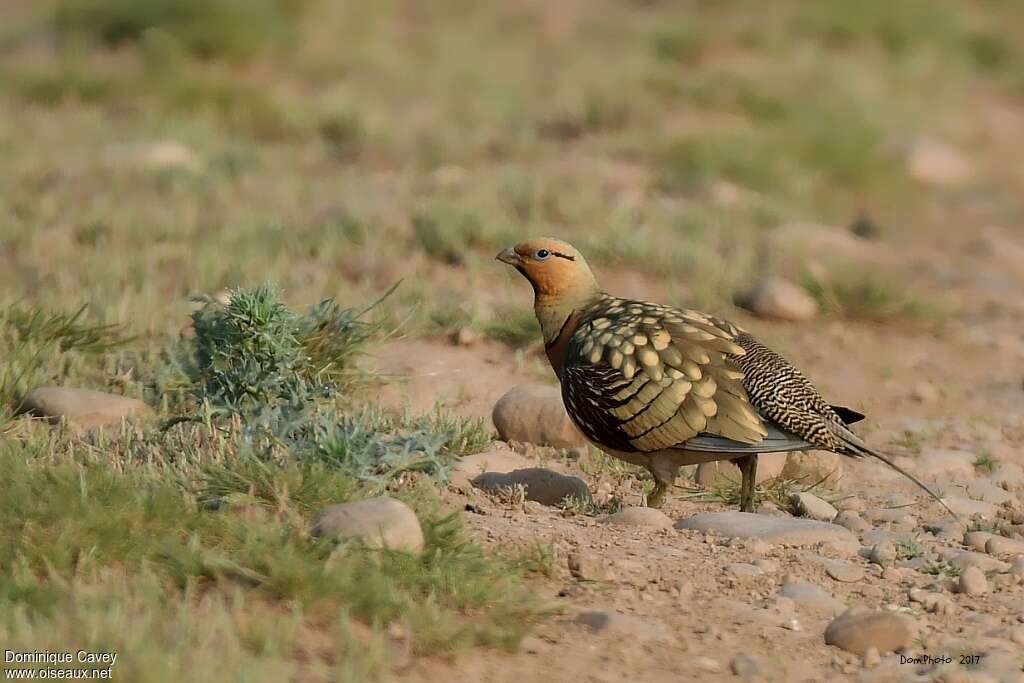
(470, 466)
(766, 566)
(883, 553)
(976, 540)
(1000, 545)
(639, 517)
(857, 630)
(892, 574)
(745, 666)
(542, 485)
(936, 163)
(610, 622)
(811, 596)
(743, 569)
(534, 413)
(705, 664)
(588, 567)
(85, 408)
(930, 600)
(378, 522)
(844, 571)
(962, 559)
(776, 530)
(946, 462)
(812, 466)
(966, 507)
(972, 582)
(779, 299)
(852, 521)
(811, 506)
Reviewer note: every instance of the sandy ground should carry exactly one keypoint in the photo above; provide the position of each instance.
(675, 607)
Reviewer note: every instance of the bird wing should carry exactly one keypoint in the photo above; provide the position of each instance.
(644, 377)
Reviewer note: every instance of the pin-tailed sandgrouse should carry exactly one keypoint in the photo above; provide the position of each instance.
(664, 387)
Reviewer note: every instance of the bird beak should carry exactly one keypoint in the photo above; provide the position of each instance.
(510, 257)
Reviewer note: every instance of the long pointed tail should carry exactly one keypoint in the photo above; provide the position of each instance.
(861, 448)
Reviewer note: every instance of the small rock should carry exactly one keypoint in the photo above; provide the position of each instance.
(982, 489)
(941, 463)
(163, 154)
(766, 566)
(936, 163)
(587, 567)
(777, 530)
(609, 622)
(844, 571)
(883, 554)
(378, 522)
(872, 658)
(972, 582)
(1000, 545)
(968, 508)
(976, 540)
(852, 521)
(892, 574)
(471, 466)
(780, 299)
(811, 596)
(84, 408)
(858, 630)
(814, 466)
(743, 569)
(642, 517)
(846, 548)
(542, 485)
(924, 392)
(745, 666)
(962, 559)
(705, 664)
(465, 336)
(811, 506)
(535, 414)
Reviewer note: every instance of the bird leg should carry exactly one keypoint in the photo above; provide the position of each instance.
(664, 476)
(748, 469)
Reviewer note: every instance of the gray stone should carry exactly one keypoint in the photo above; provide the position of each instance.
(883, 554)
(542, 485)
(936, 163)
(780, 299)
(1000, 545)
(976, 540)
(811, 506)
(377, 522)
(809, 467)
(844, 571)
(811, 596)
(961, 559)
(972, 582)
(85, 408)
(745, 666)
(534, 413)
(641, 517)
(776, 530)
(968, 508)
(946, 463)
(743, 569)
(859, 630)
(852, 521)
(471, 466)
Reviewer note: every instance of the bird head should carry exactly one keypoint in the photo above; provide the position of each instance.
(561, 279)
(554, 268)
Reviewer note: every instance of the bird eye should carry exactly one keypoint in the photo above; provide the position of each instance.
(542, 254)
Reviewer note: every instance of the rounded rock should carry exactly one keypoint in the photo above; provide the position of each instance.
(639, 517)
(542, 485)
(471, 466)
(859, 630)
(85, 408)
(972, 582)
(533, 413)
(811, 506)
(780, 299)
(378, 522)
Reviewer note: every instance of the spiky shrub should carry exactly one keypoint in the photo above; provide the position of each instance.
(250, 360)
